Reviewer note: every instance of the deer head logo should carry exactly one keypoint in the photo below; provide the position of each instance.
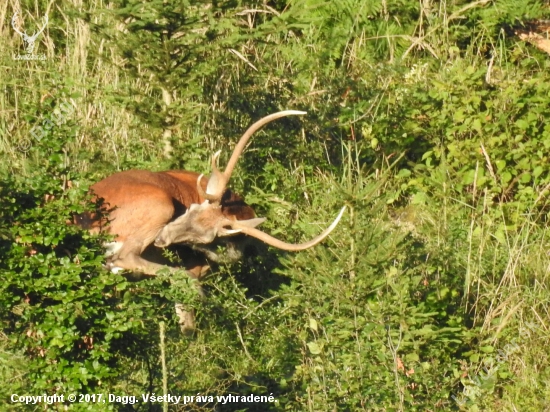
(29, 40)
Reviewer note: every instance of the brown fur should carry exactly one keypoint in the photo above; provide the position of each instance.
(139, 203)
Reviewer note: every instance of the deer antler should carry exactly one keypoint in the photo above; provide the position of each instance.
(218, 180)
(237, 227)
(13, 22)
(212, 182)
(35, 35)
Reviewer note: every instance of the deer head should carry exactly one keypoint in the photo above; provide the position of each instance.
(203, 223)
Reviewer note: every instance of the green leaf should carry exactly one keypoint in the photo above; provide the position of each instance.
(314, 348)
(487, 349)
(505, 177)
(412, 357)
(313, 324)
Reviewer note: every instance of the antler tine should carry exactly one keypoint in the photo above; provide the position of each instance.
(13, 19)
(201, 191)
(291, 247)
(213, 182)
(35, 35)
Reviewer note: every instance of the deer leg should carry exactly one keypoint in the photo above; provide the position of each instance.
(196, 267)
(135, 263)
(186, 318)
(128, 257)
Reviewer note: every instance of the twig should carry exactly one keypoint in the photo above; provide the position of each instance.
(249, 11)
(242, 342)
(244, 59)
(458, 14)
(488, 160)
(163, 362)
(490, 69)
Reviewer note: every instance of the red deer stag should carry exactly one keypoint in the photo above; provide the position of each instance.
(179, 207)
